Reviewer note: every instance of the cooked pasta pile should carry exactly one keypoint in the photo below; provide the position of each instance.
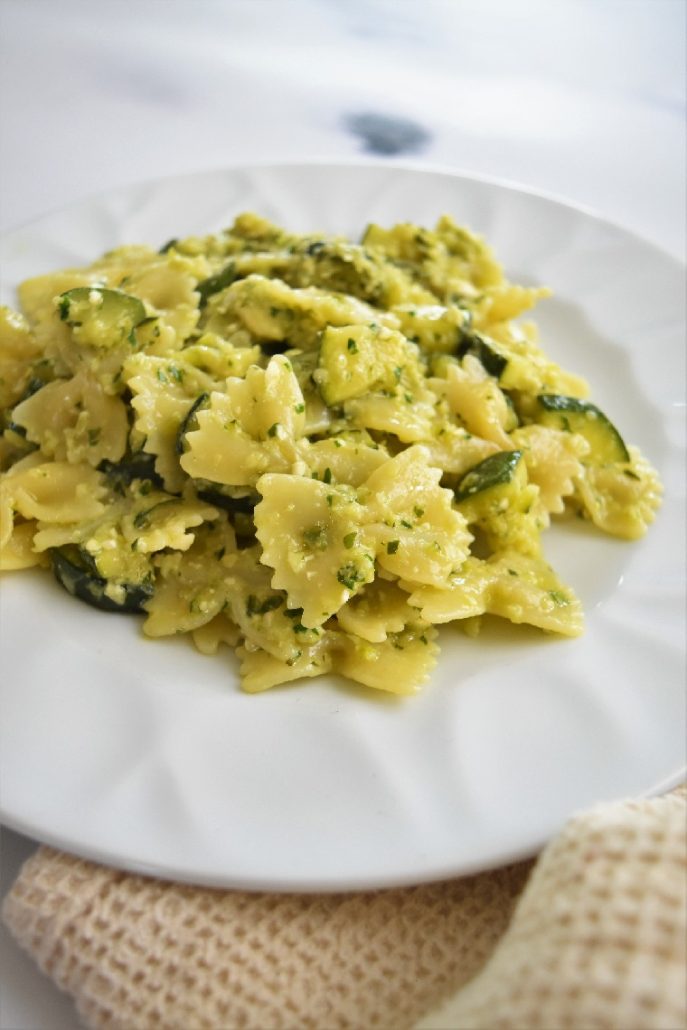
(311, 450)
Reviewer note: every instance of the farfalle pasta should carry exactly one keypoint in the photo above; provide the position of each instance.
(310, 450)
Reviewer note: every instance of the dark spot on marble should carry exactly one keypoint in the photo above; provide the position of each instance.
(387, 135)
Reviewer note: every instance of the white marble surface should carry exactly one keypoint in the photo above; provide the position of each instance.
(584, 99)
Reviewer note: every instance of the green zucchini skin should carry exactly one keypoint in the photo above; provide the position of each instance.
(117, 312)
(573, 415)
(17, 430)
(471, 342)
(216, 283)
(134, 466)
(75, 572)
(43, 373)
(496, 470)
(15, 436)
(212, 493)
(190, 422)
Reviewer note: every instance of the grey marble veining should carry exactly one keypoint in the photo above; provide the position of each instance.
(584, 100)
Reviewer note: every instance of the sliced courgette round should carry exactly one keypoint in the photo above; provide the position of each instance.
(42, 373)
(232, 499)
(76, 572)
(216, 283)
(140, 465)
(573, 415)
(492, 360)
(496, 470)
(103, 317)
(15, 437)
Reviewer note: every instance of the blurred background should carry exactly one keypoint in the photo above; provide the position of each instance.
(583, 99)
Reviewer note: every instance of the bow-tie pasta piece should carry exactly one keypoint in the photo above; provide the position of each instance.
(34, 489)
(164, 390)
(418, 534)
(50, 491)
(381, 609)
(454, 450)
(464, 597)
(74, 420)
(349, 457)
(512, 585)
(191, 586)
(19, 353)
(251, 428)
(217, 359)
(262, 613)
(272, 311)
(312, 535)
(398, 665)
(622, 498)
(260, 670)
(526, 589)
(474, 397)
(435, 328)
(553, 460)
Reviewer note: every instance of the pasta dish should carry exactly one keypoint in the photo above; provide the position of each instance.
(311, 450)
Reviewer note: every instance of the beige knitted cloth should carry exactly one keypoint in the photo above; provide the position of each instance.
(595, 939)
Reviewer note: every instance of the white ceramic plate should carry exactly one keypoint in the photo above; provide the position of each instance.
(146, 755)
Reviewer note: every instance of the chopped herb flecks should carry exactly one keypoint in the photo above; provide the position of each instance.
(349, 576)
(315, 538)
(256, 607)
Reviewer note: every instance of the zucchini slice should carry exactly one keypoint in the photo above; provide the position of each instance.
(14, 436)
(140, 465)
(216, 283)
(16, 433)
(492, 359)
(355, 359)
(42, 373)
(232, 499)
(497, 470)
(189, 423)
(103, 317)
(497, 500)
(349, 363)
(573, 415)
(75, 570)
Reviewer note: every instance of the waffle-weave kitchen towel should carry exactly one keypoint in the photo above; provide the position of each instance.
(591, 935)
